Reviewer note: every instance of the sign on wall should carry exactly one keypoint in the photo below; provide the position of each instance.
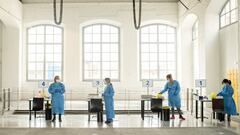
(147, 83)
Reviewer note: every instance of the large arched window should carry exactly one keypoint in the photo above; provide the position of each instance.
(157, 51)
(195, 42)
(229, 13)
(101, 52)
(44, 52)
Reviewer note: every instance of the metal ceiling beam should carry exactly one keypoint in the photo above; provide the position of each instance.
(184, 4)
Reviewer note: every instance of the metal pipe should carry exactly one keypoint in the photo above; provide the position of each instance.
(187, 99)
(191, 101)
(9, 98)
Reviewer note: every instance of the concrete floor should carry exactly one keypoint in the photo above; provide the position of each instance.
(119, 131)
(8, 120)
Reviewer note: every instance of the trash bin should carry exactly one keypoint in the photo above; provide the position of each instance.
(166, 113)
(48, 112)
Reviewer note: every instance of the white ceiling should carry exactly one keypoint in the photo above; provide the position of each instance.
(93, 1)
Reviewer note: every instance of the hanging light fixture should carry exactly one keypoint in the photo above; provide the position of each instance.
(137, 25)
(58, 22)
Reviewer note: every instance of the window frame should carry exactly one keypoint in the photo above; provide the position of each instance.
(140, 51)
(229, 12)
(195, 31)
(119, 52)
(44, 62)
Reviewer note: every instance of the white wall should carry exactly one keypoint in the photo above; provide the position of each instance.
(11, 17)
(77, 14)
(229, 48)
(207, 12)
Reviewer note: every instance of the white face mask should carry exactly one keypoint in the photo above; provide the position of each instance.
(58, 81)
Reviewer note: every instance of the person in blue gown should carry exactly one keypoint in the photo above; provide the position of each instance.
(109, 101)
(174, 100)
(227, 93)
(57, 90)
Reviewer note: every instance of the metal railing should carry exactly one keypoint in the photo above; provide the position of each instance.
(6, 99)
(75, 99)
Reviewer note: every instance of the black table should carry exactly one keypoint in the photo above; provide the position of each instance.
(30, 106)
(143, 100)
(99, 114)
(202, 108)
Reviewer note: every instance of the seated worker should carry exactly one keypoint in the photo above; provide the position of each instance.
(174, 100)
(229, 104)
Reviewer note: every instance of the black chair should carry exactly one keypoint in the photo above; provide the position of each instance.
(38, 105)
(156, 106)
(218, 108)
(96, 106)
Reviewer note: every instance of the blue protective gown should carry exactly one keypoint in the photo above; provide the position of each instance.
(109, 103)
(174, 99)
(57, 91)
(229, 104)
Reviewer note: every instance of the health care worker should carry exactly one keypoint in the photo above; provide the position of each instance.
(174, 100)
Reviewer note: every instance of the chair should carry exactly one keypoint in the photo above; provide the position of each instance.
(156, 106)
(38, 105)
(218, 107)
(96, 106)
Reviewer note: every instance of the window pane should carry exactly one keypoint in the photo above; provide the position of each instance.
(32, 31)
(96, 48)
(96, 65)
(106, 47)
(153, 48)
(88, 74)
(114, 66)
(145, 48)
(44, 51)
(32, 38)
(114, 75)
(153, 38)
(156, 58)
(31, 49)
(162, 38)
(40, 49)
(96, 57)
(105, 56)
(49, 30)
(233, 16)
(96, 29)
(106, 65)
(96, 38)
(105, 37)
(102, 56)
(114, 48)
(57, 38)
(49, 38)
(106, 74)
(114, 57)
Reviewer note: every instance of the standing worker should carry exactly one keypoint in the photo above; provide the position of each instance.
(174, 100)
(109, 102)
(57, 90)
(229, 104)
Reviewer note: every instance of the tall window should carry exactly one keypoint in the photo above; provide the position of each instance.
(229, 13)
(158, 51)
(101, 52)
(44, 52)
(195, 42)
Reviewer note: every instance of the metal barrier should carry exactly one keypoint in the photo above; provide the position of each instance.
(6, 97)
(126, 98)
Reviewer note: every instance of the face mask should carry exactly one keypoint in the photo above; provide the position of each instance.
(58, 81)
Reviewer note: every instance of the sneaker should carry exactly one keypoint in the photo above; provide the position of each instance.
(182, 118)
(173, 117)
(107, 122)
(54, 119)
